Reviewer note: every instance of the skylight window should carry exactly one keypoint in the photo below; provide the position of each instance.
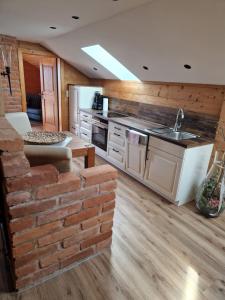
(104, 58)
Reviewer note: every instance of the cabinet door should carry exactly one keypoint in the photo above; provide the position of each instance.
(135, 159)
(163, 172)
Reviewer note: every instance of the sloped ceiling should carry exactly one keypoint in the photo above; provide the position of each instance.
(161, 34)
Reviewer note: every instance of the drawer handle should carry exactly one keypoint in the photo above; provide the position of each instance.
(85, 121)
(84, 133)
(116, 134)
(117, 151)
(117, 128)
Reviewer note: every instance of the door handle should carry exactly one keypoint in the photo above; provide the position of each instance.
(117, 151)
(116, 134)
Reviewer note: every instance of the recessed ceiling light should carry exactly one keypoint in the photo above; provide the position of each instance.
(95, 69)
(145, 68)
(52, 27)
(187, 67)
(75, 17)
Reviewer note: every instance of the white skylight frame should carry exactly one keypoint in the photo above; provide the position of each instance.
(109, 62)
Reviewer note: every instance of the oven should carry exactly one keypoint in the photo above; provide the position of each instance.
(100, 132)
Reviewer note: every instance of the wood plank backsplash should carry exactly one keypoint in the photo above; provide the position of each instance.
(158, 102)
(202, 124)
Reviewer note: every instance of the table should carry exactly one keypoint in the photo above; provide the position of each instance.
(81, 148)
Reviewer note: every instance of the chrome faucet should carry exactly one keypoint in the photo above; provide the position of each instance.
(180, 116)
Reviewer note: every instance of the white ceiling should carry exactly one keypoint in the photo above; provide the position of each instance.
(161, 34)
(30, 19)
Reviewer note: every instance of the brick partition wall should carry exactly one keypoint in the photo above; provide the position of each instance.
(53, 220)
(12, 103)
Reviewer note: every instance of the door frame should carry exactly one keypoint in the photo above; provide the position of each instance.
(41, 53)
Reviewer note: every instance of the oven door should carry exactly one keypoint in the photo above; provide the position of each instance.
(100, 135)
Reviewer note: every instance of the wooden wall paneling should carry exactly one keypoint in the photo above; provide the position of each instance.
(22, 80)
(69, 75)
(197, 98)
(59, 83)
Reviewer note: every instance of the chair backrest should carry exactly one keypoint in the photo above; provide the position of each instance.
(19, 121)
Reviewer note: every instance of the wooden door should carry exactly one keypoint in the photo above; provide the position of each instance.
(163, 172)
(48, 72)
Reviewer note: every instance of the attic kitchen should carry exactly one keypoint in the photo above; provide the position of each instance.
(167, 159)
(112, 150)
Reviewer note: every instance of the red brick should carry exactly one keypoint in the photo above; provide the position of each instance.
(34, 255)
(83, 215)
(22, 249)
(31, 208)
(95, 221)
(59, 255)
(105, 227)
(17, 198)
(10, 140)
(26, 270)
(99, 200)
(22, 223)
(104, 244)
(59, 213)
(68, 182)
(80, 236)
(80, 256)
(14, 164)
(108, 206)
(36, 232)
(98, 174)
(57, 236)
(79, 195)
(108, 186)
(18, 183)
(95, 240)
(45, 174)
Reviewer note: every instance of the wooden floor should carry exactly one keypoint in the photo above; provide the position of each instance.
(159, 251)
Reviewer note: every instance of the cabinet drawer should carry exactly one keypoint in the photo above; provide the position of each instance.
(85, 132)
(116, 156)
(116, 138)
(86, 124)
(166, 147)
(85, 116)
(113, 127)
(85, 138)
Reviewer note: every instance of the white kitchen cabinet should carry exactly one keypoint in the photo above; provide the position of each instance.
(176, 172)
(116, 156)
(85, 130)
(135, 159)
(162, 172)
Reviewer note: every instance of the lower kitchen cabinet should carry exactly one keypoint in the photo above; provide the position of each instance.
(116, 156)
(176, 172)
(163, 172)
(135, 159)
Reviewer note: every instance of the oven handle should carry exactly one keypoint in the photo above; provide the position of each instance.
(100, 125)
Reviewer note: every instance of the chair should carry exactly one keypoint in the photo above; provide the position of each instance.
(59, 156)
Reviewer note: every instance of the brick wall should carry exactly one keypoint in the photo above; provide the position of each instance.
(32, 78)
(54, 220)
(12, 103)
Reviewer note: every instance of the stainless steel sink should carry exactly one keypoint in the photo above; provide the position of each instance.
(169, 133)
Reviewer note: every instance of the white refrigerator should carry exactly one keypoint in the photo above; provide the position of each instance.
(80, 97)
